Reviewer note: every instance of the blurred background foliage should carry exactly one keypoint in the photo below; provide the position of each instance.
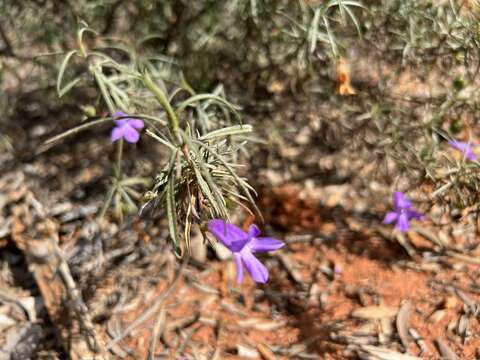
(412, 68)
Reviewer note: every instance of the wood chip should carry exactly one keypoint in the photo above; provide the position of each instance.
(462, 328)
(265, 352)
(59, 292)
(21, 342)
(159, 328)
(247, 352)
(375, 312)
(471, 304)
(386, 354)
(288, 265)
(419, 341)
(258, 324)
(446, 352)
(402, 322)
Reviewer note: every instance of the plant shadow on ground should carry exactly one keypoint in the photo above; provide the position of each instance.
(334, 227)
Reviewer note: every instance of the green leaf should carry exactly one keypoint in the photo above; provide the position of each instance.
(206, 190)
(160, 140)
(117, 205)
(355, 21)
(312, 32)
(135, 181)
(61, 91)
(228, 131)
(241, 183)
(70, 132)
(206, 182)
(108, 201)
(200, 97)
(331, 37)
(171, 203)
(128, 199)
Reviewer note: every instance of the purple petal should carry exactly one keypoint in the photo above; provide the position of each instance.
(264, 244)
(402, 224)
(258, 272)
(470, 155)
(465, 148)
(130, 134)
(253, 231)
(412, 214)
(119, 114)
(237, 245)
(120, 122)
(117, 133)
(459, 145)
(239, 264)
(390, 217)
(226, 233)
(136, 123)
(400, 201)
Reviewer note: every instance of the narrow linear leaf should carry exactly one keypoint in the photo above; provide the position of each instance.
(135, 181)
(355, 21)
(200, 97)
(331, 37)
(127, 199)
(171, 204)
(228, 131)
(108, 201)
(312, 32)
(204, 175)
(61, 72)
(160, 140)
(71, 132)
(69, 86)
(238, 180)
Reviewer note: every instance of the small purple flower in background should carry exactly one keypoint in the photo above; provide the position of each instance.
(402, 212)
(465, 148)
(243, 245)
(126, 128)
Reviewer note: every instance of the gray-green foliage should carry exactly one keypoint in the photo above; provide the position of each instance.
(202, 131)
(149, 58)
(437, 44)
(199, 180)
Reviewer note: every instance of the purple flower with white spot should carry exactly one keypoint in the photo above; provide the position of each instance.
(126, 128)
(402, 212)
(465, 148)
(243, 245)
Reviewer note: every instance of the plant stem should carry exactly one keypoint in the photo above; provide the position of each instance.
(111, 108)
(162, 99)
(118, 163)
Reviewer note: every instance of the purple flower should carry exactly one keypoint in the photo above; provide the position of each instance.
(126, 128)
(243, 246)
(465, 148)
(402, 212)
